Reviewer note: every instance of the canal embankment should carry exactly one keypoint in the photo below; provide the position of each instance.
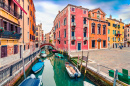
(13, 73)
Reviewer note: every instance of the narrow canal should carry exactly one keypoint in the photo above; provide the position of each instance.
(54, 73)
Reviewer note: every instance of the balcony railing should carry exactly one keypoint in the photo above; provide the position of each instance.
(118, 34)
(73, 24)
(85, 38)
(9, 9)
(10, 34)
(73, 38)
(85, 25)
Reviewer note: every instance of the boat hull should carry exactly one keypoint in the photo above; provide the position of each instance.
(37, 67)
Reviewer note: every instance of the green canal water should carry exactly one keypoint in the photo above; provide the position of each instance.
(54, 73)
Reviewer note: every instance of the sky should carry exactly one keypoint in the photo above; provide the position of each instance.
(46, 10)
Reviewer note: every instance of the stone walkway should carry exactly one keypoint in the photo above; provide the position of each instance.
(108, 59)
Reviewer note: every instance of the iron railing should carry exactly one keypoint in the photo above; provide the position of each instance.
(9, 71)
(9, 9)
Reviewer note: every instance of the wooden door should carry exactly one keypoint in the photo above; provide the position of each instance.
(98, 45)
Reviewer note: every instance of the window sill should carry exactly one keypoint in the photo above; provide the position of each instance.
(93, 33)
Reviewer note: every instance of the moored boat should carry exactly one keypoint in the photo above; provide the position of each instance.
(38, 66)
(72, 70)
(31, 81)
(43, 55)
(59, 55)
(87, 84)
(43, 52)
(54, 51)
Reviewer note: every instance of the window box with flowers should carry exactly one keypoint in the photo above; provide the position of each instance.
(89, 16)
(1, 29)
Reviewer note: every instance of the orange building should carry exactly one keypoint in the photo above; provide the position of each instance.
(97, 29)
(32, 24)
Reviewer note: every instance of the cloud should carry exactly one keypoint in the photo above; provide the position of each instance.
(45, 14)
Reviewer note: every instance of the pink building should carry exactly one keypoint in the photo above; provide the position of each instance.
(71, 29)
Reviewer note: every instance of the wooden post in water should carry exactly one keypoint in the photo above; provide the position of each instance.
(86, 64)
(81, 62)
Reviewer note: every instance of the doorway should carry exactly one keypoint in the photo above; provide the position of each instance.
(98, 45)
(79, 46)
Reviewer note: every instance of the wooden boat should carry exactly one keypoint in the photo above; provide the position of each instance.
(31, 81)
(59, 55)
(43, 52)
(54, 51)
(38, 66)
(72, 70)
(43, 55)
(87, 84)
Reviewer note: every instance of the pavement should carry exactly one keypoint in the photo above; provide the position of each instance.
(108, 59)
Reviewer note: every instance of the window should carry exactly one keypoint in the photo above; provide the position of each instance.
(84, 20)
(73, 18)
(15, 49)
(93, 14)
(73, 42)
(113, 32)
(118, 39)
(128, 30)
(113, 25)
(28, 7)
(64, 21)
(73, 9)
(109, 24)
(93, 43)
(30, 24)
(24, 47)
(98, 16)
(3, 51)
(84, 12)
(103, 17)
(28, 21)
(128, 35)
(72, 33)
(108, 38)
(118, 32)
(108, 31)
(85, 42)
(55, 27)
(21, 13)
(59, 42)
(104, 29)
(64, 42)
(123, 27)
(59, 24)
(5, 25)
(85, 33)
(104, 43)
(99, 27)
(65, 33)
(113, 38)
(36, 33)
(93, 28)
(28, 46)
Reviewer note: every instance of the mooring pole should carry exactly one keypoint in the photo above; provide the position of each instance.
(115, 78)
(81, 62)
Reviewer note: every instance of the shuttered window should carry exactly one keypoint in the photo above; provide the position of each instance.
(15, 49)
(3, 51)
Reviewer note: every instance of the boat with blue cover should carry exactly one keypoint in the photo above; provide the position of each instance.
(59, 55)
(43, 52)
(38, 66)
(31, 81)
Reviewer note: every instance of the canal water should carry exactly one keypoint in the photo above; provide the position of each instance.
(54, 73)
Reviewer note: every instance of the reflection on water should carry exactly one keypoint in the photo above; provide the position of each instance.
(55, 74)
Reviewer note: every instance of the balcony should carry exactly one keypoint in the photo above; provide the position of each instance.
(58, 38)
(73, 24)
(9, 9)
(118, 34)
(85, 38)
(9, 34)
(85, 25)
(73, 38)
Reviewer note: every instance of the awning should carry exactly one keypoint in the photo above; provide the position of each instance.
(19, 6)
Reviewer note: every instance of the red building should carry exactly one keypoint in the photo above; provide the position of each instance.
(71, 28)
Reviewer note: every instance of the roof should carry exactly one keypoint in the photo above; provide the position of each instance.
(98, 9)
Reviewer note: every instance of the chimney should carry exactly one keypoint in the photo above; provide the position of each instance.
(80, 6)
(110, 16)
(120, 20)
(59, 11)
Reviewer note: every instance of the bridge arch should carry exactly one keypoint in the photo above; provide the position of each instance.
(47, 44)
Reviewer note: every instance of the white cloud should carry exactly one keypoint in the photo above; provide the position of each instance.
(45, 14)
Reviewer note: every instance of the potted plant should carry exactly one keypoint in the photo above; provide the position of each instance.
(89, 16)
(13, 32)
(115, 26)
(118, 26)
(1, 29)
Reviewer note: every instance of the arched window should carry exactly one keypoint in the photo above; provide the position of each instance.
(98, 11)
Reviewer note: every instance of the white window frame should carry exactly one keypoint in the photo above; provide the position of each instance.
(84, 11)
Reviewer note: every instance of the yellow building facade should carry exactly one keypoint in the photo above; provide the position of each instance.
(115, 33)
